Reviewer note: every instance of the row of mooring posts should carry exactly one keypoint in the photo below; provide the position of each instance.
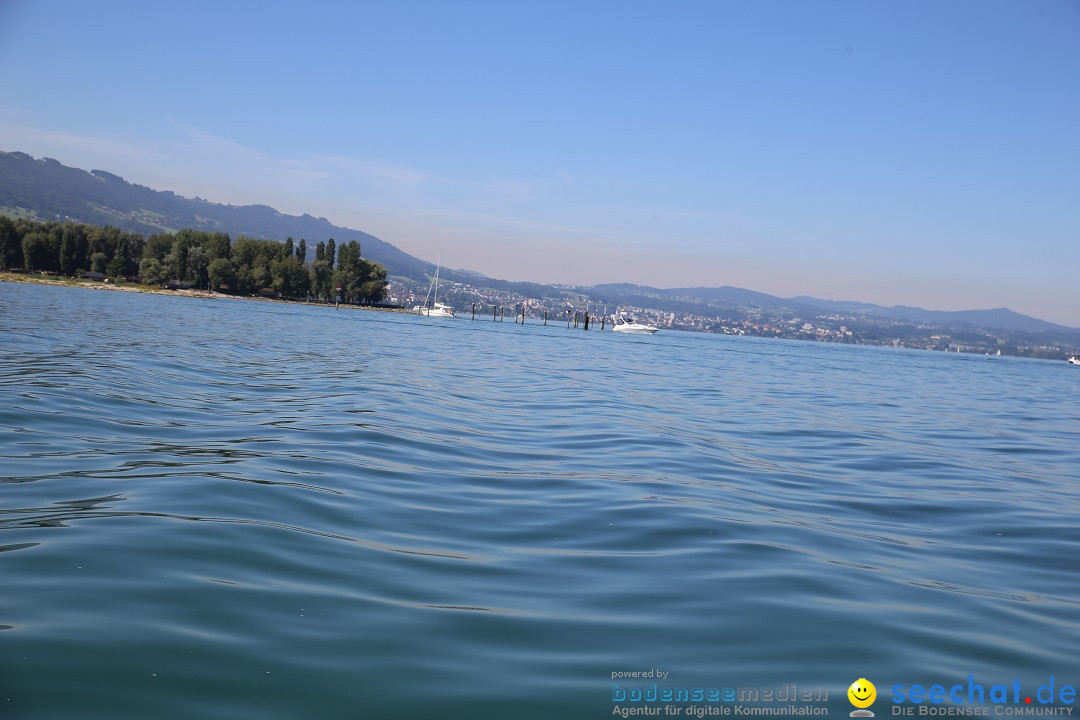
(498, 314)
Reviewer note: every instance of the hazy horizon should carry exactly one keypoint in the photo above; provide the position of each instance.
(914, 154)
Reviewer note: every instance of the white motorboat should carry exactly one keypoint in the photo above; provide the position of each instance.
(437, 309)
(631, 326)
(1074, 359)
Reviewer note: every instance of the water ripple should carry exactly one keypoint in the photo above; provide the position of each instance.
(245, 510)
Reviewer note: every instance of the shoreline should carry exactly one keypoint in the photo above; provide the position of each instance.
(60, 281)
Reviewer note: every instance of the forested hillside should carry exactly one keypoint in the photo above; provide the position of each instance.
(48, 190)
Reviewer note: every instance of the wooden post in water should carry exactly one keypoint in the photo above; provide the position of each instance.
(502, 314)
(603, 319)
(586, 319)
(522, 313)
(474, 311)
(545, 318)
(494, 311)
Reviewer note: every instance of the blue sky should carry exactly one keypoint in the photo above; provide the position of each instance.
(922, 153)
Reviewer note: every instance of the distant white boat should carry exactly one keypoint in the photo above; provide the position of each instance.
(631, 326)
(1074, 359)
(437, 309)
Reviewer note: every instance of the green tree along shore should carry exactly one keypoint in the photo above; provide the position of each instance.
(201, 259)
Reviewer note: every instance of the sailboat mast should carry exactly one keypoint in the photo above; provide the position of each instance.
(436, 300)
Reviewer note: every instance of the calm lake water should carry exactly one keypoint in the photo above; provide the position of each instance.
(228, 509)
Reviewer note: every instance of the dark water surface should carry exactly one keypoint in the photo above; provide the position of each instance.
(228, 509)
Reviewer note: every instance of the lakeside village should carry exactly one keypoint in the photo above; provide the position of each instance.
(742, 320)
(746, 320)
(249, 267)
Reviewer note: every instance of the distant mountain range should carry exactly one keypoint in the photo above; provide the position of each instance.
(46, 189)
(732, 297)
(1002, 318)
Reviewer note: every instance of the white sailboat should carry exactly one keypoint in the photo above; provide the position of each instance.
(437, 308)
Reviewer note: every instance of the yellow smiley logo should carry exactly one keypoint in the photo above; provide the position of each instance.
(862, 693)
